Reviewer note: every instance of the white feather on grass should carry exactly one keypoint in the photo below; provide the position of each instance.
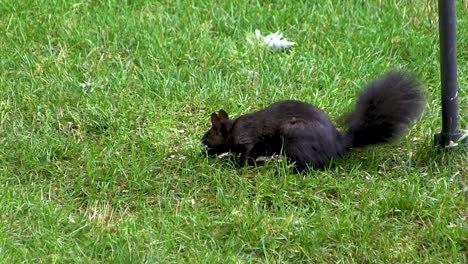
(273, 41)
(276, 41)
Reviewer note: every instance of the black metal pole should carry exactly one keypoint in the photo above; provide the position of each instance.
(448, 69)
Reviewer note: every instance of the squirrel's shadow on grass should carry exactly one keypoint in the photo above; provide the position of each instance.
(270, 178)
(277, 162)
(371, 161)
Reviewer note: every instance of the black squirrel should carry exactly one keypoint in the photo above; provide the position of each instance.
(384, 110)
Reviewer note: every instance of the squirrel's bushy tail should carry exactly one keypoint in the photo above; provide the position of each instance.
(384, 109)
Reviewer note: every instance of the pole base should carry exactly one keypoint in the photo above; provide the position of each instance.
(451, 139)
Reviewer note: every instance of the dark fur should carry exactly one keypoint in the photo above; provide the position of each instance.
(305, 134)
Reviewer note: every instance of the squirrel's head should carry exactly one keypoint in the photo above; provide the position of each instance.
(216, 139)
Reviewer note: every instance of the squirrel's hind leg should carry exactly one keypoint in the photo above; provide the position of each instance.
(310, 143)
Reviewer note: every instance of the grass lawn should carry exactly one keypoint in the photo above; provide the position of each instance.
(103, 104)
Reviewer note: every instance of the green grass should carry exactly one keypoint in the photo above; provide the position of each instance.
(103, 103)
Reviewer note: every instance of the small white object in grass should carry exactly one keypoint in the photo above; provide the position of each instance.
(273, 41)
(223, 155)
(276, 41)
(254, 39)
(451, 144)
(193, 202)
(71, 219)
(85, 85)
(269, 158)
(252, 73)
(180, 157)
(451, 225)
(258, 34)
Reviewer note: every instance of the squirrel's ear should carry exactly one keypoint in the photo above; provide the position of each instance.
(215, 121)
(223, 115)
